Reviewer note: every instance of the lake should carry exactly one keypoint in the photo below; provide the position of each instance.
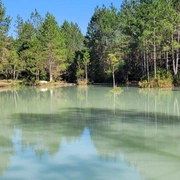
(90, 133)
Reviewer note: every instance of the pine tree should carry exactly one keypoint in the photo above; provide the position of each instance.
(4, 28)
(53, 44)
(74, 41)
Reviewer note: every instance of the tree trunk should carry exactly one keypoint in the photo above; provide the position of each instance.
(175, 62)
(114, 83)
(86, 73)
(50, 63)
(147, 59)
(154, 57)
(167, 60)
(50, 76)
(17, 75)
(37, 74)
(144, 63)
(14, 72)
(172, 50)
(177, 53)
(154, 48)
(50, 69)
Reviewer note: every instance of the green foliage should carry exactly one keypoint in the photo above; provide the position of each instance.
(104, 37)
(86, 58)
(82, 61)
(177, 79)
(73, 39)
(164, 74)
(54, 51)
(80, 74)
(4, 21)
(4, 41)
(164, 80)
(117, 90)
(140, 39)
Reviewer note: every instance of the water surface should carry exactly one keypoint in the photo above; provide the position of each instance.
(90, 133)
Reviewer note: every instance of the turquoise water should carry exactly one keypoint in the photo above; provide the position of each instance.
(90, 133)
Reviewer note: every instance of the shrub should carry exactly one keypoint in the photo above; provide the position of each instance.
(82, 82)
(177, 79)
(164, 79)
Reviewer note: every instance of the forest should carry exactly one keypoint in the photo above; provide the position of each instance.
(137, 42)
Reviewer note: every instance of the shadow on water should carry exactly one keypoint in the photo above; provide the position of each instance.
(148, 141)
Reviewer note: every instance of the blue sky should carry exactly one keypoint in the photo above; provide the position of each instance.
(77, 11)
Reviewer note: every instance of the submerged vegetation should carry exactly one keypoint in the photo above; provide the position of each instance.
(139, 42)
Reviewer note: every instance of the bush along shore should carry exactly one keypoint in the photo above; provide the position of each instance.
(163, 79)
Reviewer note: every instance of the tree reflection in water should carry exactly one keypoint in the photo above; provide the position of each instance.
(151, 149)
(142, 125)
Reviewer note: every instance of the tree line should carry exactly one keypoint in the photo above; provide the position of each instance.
(139, 41)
